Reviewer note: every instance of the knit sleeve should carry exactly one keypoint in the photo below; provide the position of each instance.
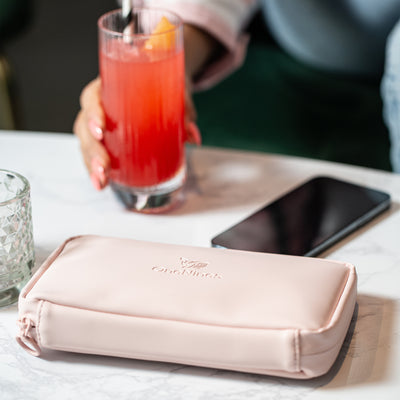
(390, 92)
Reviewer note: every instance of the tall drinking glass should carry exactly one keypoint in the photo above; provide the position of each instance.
(143, 86)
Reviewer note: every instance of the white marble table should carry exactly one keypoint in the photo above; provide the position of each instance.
(223, 187)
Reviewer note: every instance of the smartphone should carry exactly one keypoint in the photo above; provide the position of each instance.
(306, 220)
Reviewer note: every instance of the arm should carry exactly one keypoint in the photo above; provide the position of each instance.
(390, 90)
(200, 47)
(90, 122)
(213, 47)
(221, 24)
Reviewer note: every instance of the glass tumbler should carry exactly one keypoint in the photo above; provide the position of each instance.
(16, 236)
(143, 85)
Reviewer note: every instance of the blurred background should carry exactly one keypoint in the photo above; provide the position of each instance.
(49, 52)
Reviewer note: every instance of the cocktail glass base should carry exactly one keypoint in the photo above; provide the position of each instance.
(154, 199)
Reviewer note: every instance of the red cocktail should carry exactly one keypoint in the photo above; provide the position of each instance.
(143, 82)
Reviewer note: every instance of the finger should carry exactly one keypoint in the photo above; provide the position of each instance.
(90, 101)
(193, 134)
(98, 175)
(94, 154)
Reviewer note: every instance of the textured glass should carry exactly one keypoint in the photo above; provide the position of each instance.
(16, 237)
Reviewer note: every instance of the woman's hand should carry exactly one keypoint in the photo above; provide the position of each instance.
(90, 124)
(89, 127)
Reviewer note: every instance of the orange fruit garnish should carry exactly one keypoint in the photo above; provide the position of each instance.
(161, 40)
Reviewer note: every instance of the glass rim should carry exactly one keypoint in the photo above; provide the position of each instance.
(137, 35)
(23, 192)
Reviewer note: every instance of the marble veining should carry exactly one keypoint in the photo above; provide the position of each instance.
(222, 188)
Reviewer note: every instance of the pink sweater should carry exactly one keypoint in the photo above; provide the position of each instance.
(347, 38)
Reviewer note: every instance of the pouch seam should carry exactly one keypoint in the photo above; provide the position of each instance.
(41, 305)
(334, 308)
(296, 349)
(49, 261)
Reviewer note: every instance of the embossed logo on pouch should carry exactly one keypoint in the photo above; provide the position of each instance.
(191, 268)
(186, 263)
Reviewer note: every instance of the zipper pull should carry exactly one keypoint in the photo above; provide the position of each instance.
(25, 338)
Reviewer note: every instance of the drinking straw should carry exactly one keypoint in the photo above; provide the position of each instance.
(127, 12)
(130, 17)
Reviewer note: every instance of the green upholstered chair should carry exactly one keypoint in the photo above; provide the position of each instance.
(279, 105)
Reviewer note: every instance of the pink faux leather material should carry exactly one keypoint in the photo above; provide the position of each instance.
(244, 311)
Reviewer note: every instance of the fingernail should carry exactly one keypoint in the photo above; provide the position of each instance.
(195, 134)
(95, 181)
(99, 172)
(95, 129)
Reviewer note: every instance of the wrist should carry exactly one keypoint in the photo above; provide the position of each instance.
(200, 49)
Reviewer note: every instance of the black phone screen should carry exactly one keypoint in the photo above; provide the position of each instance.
(306, 220)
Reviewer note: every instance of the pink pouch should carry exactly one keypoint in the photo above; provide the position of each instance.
(237, 310)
